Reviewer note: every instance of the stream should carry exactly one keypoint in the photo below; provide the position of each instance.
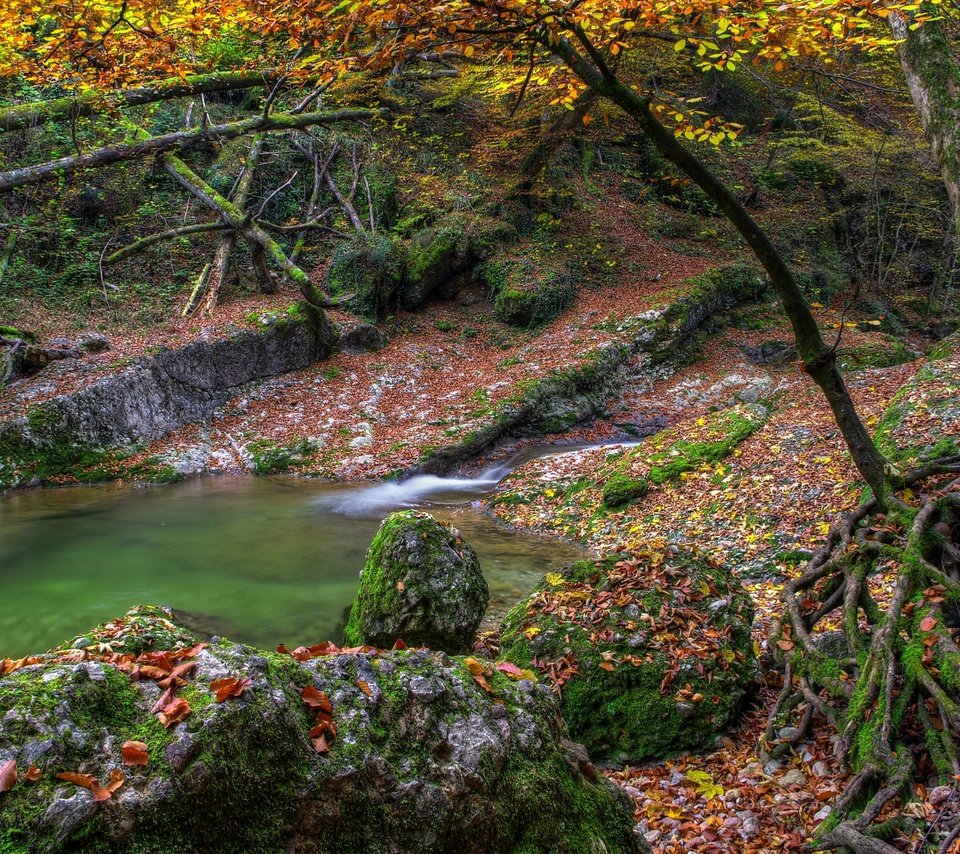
(258, 560)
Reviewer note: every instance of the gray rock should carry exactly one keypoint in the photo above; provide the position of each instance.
(358, 337)
(422, 583)
(93, 342)
(423, 759)
(794, 777)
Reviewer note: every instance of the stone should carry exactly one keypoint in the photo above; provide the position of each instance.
(357, 337)
(794, 777)
(421, 583)
(423, 759)
(613, 696)
(773, 352)
(940, 795)
(93, 342)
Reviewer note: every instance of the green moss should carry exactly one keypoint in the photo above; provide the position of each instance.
(883, 351)
(269, 457)
(615, 699)
(620, 490)
(370, 268)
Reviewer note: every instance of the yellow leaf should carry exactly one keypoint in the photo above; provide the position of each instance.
(680, 45)
(554, 578)
(532, 632)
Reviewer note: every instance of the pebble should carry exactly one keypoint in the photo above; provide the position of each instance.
(772, 767)
(940, 795)
(793, 777)
(821, 814)
(749, 828)
(820, 768)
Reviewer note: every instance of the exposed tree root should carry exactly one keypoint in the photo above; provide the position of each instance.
(868, 643)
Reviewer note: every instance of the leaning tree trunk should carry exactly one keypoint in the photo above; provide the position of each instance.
(933, 78)
(819, 360)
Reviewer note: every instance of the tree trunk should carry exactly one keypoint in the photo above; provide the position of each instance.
(818, 359)
(23, 116)
(551, 140)
(180, 139)
(933, 78)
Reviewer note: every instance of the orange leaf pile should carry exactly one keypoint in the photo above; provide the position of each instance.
(325, 730)
(174, 712)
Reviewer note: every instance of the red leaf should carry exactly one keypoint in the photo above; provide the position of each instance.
(786, 645)
(166, 698)
(509, 668)
(399, 644)
(8, 775)
(174, 712)
(365, 687)
(928, 624)
(316, 699)
(134, 753)
(320, 744)
(230, 687)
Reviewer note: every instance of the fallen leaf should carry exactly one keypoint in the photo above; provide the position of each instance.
(33, 774)
(365, 687)
(174, 712)
(785, 644)
(230, 687)
(320, 744)
(316, 699)
(399, 644)
(928, 624)
(134, 753)
(8, 775)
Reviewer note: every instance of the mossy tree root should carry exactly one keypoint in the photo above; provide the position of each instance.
(889, 680)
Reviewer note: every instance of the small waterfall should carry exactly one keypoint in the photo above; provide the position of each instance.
(376, 499)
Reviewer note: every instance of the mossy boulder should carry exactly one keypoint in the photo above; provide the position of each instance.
(652, 654)
(418, 756)
(874, 351)
(528, 290)
(448, 249)
(370, 267)
(421, 583)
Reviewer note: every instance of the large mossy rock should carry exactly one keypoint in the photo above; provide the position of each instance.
(420, 757)
(421, 583)
(370, 267)
(451, 247)
(653, 655)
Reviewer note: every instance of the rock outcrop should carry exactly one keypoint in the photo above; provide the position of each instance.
(421, 583)
(417, 752)
(155, 395)
(652, 654)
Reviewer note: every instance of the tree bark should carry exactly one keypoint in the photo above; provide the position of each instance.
(551, 140)
(818, 359)
(933, 78)
(145, 242)
(180, 139)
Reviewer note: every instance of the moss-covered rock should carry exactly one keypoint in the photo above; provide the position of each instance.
(371, 268)
(876, 351)
(527, 289)
(652, 654)
(672, 453)
(419, 756)
(422, 583)
(451, 247)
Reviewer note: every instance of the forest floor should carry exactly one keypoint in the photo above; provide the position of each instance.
(758, 510)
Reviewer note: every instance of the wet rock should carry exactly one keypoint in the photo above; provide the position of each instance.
(422, 583)
(424, 759)
(940, 795)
